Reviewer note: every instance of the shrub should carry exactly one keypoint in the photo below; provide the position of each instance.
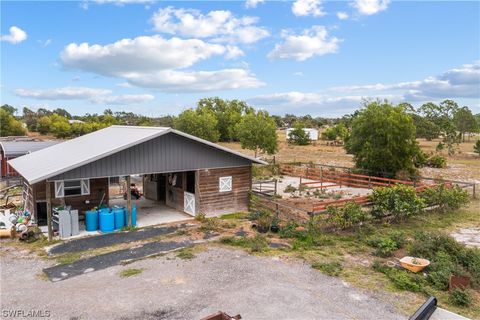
(329, 268)
(290, 189)
(387, 245)
(447, 257)
(460, 298)
(351, 214)
(476, 147)
(298, 135)
(436, 161)
(446, 198)
(401, 201)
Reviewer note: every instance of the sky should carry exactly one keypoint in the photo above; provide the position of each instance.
(322, 58)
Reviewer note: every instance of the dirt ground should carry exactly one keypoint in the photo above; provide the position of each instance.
(464, 165)
(171, 288)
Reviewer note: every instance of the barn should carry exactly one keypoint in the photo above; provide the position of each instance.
(14, 148)
(180, 173)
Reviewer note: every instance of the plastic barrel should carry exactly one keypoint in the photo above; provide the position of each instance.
(134, 215)
(119, 216)
(91, 220)
(107, 221)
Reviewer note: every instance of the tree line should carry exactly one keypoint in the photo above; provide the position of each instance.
(380, 135)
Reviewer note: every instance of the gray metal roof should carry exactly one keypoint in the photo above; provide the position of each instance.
(70, 158)
(19, 148)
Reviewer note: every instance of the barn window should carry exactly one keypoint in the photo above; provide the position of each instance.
(225, 184)
(72, 188)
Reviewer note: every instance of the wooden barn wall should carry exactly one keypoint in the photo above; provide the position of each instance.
(213, 202)
(98, 187)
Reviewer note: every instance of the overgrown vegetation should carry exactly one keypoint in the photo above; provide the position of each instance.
(347, 216)
(399, 201)
(130, 272)
(258, 243)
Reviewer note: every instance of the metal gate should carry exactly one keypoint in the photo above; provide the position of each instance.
(189, 203)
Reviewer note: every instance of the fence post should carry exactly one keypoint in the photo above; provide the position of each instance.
(473, 191)
(276, 181)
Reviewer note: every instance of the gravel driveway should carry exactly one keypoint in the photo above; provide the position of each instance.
(170, 288)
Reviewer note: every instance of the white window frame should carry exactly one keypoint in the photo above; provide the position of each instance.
(60, 188)
(225, 184)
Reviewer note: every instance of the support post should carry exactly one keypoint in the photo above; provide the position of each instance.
(129, 202)
(276, 182)
(49, 211)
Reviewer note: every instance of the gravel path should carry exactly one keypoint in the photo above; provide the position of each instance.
(171, 288)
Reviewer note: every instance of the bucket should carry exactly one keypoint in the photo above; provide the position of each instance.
(107, 221)
(91, 220)
(134, 215)
(119, 217)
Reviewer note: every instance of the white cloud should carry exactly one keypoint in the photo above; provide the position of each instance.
(141, 54)
(298, 74)
(153, 62)
(16, 35)
(196, 81)
(252, 3)
(94, 95)
(370, 7)
(460, 82)
(308, 8)
(233, 52)
(342, 15)
(45, 43)
(220, 25)
(312, 42)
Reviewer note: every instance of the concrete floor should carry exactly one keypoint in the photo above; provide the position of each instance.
(151, 212)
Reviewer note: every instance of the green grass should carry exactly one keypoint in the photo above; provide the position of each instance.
(130, 272)
(257, 243)
(185, 254)
(329, 268)
(236, 215)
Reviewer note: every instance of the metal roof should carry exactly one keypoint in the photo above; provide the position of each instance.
(19, 148)
(74, 153)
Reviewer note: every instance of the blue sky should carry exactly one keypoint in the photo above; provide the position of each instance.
(304, 56)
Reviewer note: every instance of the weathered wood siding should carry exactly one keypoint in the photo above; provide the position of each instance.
(98, 187)
(213, 202)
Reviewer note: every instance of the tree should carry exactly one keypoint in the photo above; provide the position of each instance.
(9, 109)
(257, 131)
(9, 125)
(425, 128)
(465, 121)
(44, 124)
(382, 139)
(228, 114)
(298, 135)
(200, 124)
(338, 131)
(476, 147)
(442, 116)
(59, 126)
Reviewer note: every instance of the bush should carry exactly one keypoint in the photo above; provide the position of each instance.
(447, 257)
(436, 161)
(401, 201)
(460, 298)
(387, 245)
(351, 214)
(446, 198)
(476, 147)
(299, 136)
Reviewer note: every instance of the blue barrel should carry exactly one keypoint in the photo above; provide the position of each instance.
(119, 216)
(91, 220)
(107, 221)
(134, 215)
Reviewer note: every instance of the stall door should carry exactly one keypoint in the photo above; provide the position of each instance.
(189, 203)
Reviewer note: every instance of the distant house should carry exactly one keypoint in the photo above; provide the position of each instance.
(13, 148)
(312, 133)
(180, 172)
(72, 121)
